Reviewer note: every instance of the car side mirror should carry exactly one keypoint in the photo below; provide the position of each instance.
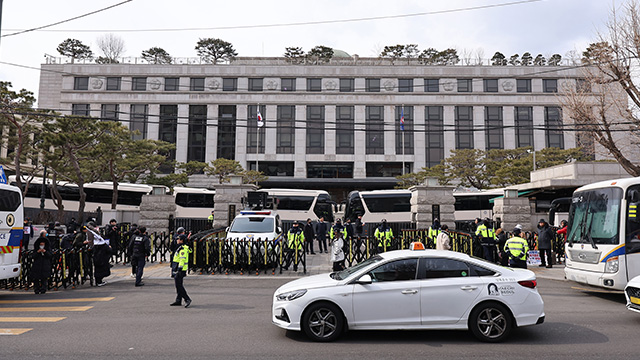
(227, 229)
(365, 279)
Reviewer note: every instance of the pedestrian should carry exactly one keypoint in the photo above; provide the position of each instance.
(179, 267)
(72, 226)
(545, 236)
(321, 235)
(337, 252)
(140, 248)
(309, 236)
(133, 231)
(383, 234)
(517, 248)
(336, 229)
(27, 233)
(359, 227)
(211, 218)
(483, 236)
(112, 235)
(101, 252)
(41, 267)
(295, 241)
(502, 240)
(443, 242)
(348, 226)
(564, 227)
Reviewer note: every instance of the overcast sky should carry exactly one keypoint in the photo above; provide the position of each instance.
(546, 26)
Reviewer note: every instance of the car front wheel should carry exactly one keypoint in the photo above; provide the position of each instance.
(490, 322)
(322, 322)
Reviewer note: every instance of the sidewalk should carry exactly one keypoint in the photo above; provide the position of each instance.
(555, 273)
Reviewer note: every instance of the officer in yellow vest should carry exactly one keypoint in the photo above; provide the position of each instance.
(295, 242)
(210, 218)
(434, 231)
(487, 242)
(179, 269)
(338, 228)
(517, 248)
(383, 234)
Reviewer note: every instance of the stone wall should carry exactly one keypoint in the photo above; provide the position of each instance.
(513, 211)
(155, 211)
(423, 197)
(227, 195)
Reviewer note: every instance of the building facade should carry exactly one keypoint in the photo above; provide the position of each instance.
(350, 124)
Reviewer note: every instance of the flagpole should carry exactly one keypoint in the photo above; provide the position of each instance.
(402, 114)
(257, 141)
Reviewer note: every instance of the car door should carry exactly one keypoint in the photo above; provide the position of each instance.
(392, 299)
(447, 290)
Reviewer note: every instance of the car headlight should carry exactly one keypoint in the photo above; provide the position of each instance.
(612, 265)
(291, 295)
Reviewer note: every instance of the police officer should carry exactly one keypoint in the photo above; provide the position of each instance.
(112, 236)
(434, 231)
(295, 242)
(383, 234)
(517, 248)
(338, 228)
(484, 236)
(181, 260)
(139, 248)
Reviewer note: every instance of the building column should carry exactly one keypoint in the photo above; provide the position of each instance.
(359, 142)
(568, 136)
(211, 151)
(508, 121)
(330, 130)
(538, 125)
(271, 132)
(124, 114)
(182, 136)
(419, 138)
(448, 112)
(390, 132)
(300, 150)
(153, 121)
(479, 137)
(242, 124)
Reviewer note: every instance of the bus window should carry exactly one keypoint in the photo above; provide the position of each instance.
(386, 203)
(323, 209)
(302, 203)
(633, 221)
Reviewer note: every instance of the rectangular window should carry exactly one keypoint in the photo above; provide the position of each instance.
(524, 126)
(255, 84)
(196, 84)
(81, 83)
(464, 127)
(286, 131)
(405, 85)
(139, 84)
(434, 126)
(372, 85)
(109, 112)
(273, 168)
(196, 148)
(113, 83)
(583, 86)
(523, 85)
(347, 85)
(493, 127)
(139, 120)
(553, 127)
(315, 129)
(431, 85)
(168, 128)
(345, 122)
(229, 84)
(171, 84)
(227, 132)
(374, 129)
(329, 170)
(253, 129)
(386, 169)
(490, 85)
(288, 84)
(465, 85)
(550, 85)
(80, 110)
(408, 130)
(314, 84)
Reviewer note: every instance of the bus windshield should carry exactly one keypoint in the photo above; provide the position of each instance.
(252, 225)
(388, 203)
(594, 216)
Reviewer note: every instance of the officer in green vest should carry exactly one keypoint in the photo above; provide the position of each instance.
(210, 218)
(383, 234)
(338, 228)
(484, 236)
(295, 242)
(434, 231)
(179, 269)
(517, 248)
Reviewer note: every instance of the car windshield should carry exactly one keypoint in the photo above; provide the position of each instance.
(352, 270)
(594, 216)
(255, 224)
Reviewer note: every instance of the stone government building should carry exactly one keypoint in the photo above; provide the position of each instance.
(332, 126)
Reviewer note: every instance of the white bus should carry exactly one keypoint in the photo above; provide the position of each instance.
(300, 205)
(603, 242)
(11, 222)
(392, 205)
(193, 203)
(475, 204)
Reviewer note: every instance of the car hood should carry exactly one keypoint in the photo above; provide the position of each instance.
(635, 282)
(310, 282)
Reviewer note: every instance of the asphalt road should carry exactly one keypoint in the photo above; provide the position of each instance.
(230, 318)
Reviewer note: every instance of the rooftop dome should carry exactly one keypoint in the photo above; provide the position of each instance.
(340, 54)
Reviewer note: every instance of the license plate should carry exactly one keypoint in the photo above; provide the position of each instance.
(634, 300)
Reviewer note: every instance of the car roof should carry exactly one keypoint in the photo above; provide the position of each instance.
(398, 254)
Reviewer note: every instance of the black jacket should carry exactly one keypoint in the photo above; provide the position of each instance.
(41, 268)
(140, 245)
(321, 230)
(309, 234)
(545, 235)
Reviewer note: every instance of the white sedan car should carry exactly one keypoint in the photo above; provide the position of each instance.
(405, 289)
(632, 293)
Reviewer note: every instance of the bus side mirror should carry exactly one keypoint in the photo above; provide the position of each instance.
(279, 229)
(634, 196)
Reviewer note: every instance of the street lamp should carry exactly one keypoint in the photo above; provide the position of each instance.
(534, 158)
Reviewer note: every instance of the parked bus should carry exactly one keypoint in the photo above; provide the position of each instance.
(603, 242)
(193, 203)
(392, 205)
(11, 222)
(300, 205)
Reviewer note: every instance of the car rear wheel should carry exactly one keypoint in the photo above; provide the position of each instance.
(490, 322)
(323, 322)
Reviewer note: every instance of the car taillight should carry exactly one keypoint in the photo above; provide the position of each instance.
(531, 284)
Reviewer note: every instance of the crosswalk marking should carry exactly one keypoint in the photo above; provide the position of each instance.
(31, 319)
(13, 331)
(44, 301)
(46, 308)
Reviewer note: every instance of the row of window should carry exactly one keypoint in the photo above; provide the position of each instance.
(375, 133)
(315, 84)
(330, 170)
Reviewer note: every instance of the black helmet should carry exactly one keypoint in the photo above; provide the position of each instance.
(180, 230)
